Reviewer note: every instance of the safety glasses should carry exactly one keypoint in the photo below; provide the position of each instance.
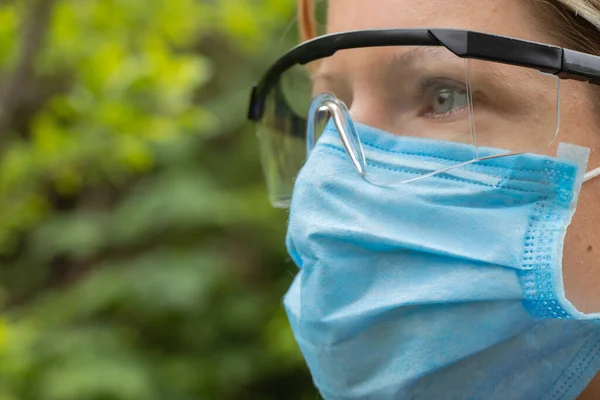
(459, 86)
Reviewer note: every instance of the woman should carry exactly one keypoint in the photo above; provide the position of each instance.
(430, 219)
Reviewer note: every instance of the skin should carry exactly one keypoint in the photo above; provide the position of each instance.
(368, 94)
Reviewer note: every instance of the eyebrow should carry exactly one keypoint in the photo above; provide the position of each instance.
(405, 60)
(408, 59)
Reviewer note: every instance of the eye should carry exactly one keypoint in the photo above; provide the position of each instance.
(442, 98)
(448, 100)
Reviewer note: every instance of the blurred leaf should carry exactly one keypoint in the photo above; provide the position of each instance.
(94, 363)
(8, 29)
(3, 334)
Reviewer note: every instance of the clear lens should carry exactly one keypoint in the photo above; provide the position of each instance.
(422, 92)
(282, 133)
(514, 108)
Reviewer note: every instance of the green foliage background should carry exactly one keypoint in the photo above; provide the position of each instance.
(139, 258)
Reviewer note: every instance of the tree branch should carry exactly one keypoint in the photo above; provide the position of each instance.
(35, 26)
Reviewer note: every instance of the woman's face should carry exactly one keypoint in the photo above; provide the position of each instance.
(370, 91)
(512, 104)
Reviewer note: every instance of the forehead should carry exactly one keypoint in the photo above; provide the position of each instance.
(516, 18)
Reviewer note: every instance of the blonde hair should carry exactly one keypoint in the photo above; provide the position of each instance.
(587, 9)
(575, 24)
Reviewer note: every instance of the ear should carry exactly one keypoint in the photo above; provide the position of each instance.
(306, 19)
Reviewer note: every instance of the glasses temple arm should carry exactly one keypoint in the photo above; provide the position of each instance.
(580, 66)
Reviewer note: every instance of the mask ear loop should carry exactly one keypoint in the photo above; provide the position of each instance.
(340, 117)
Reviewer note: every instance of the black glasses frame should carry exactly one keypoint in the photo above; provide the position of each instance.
(564, 63)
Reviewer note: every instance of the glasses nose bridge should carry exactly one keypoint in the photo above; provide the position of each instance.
(345, 127)
(340, 116)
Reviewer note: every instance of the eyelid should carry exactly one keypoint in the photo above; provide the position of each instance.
(429, 83)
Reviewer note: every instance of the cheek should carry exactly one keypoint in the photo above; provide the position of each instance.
(580, 120)
(581, 267)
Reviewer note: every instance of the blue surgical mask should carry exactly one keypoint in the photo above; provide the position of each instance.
(449, 287)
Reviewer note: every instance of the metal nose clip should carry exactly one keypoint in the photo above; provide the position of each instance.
(337, 114)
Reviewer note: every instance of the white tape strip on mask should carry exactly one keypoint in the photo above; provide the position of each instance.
(580, 156)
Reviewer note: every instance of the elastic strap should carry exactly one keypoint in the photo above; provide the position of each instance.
(591, 175)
